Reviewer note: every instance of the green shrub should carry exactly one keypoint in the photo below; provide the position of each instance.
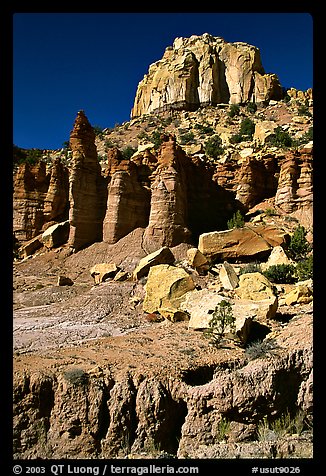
(251, 268)
(281, 273)
(127, 152)
(271, 212)
(77, 377)
(286, 424)
(281, 138)
(237, 220)
(156, 138)
(213, 146)
(247, 128)
(204, 129)
(234, 110)
(261, 348)
(299, 246)
(304, 269)
(187, 137)
(222, 318)
(223, 429)
(236, 138)
(303, 110)
(251, 107)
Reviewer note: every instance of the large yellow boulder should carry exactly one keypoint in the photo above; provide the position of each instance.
(165, 287)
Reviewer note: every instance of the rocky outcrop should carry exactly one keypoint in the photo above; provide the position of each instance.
(167, 224)
(40, 196)
(205, 70)
(128, 199)
(86, 188)
(165, 287)
(103, 413)
(294, 193)
(256, 179)
(246, 242)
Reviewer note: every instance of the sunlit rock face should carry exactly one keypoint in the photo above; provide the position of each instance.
(205, 70)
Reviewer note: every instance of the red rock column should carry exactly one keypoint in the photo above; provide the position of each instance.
(168, 214)
(84, 214)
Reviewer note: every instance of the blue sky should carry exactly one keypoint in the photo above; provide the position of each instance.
(64, 62)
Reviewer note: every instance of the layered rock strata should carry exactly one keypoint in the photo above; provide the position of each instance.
(167, 224)
(128, 199)
(40, 196)
(205, 70)
(85, 186)
(295, 189)
(108, 412)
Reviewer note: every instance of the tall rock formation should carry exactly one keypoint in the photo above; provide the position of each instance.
(168, 214)
(205, 70)
(294, 193)
(128, 200)
(40, 195)
(86, 186)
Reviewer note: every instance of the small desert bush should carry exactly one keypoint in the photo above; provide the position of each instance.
(286, 424)
(304, 269)
(77, 377)
(221, 320)
(299, 246)
(251, 268)
(281, 138)
(234, 110)
(223, 429)
(237, 220)
(281, 274)
(261, 348)
(213, 146)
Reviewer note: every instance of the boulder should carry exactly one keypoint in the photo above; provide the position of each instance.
(197, 260)
(201, 304)
(56, 235)
(102, 271)
(162, 256)
(263, 130)
(64, 281)
(29, 248)
(299, 295)
(174, 315)
(254, 286)
(248, 241)
(165, 287)
(277, 256)
(228, 276)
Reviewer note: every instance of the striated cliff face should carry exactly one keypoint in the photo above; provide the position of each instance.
(205, 70)
(40, 196)
(177, 403)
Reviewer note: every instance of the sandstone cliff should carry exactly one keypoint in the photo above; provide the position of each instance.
(205, 70)
(40, 196)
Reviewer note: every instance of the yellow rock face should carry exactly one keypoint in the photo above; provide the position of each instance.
(205, 70)
(165, 287)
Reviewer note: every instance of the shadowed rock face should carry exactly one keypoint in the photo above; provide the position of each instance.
(205, 70)
(40, 195)
(85, 186)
